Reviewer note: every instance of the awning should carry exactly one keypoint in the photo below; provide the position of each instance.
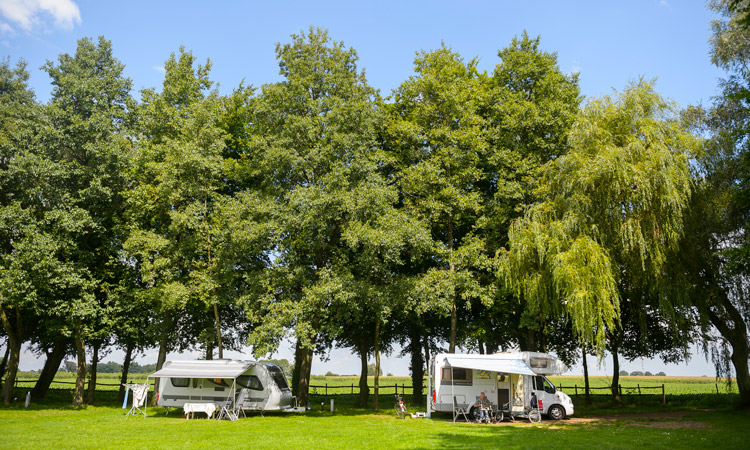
(203, 369)
(489, 364)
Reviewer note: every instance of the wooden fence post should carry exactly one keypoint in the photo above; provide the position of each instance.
(639, 389)
(663, 395)
(352, 388)
(619, 387)
(576, 386)
(326, 388)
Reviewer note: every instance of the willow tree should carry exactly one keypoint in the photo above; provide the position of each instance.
(612, 211)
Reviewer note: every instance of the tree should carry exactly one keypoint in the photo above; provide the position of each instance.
(173, 207)
(714, 266)
(17, 119)
(612, 211)
(531, 107)
(308, 133)
(436, 131)
(88, 112)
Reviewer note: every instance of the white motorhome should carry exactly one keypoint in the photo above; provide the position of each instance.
(505, 378)
(218, 381)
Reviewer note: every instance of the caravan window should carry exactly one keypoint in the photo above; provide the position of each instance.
(180, 382)
(250, 382)
(215, 382)
(539, 363)
(277, 376)
(457, 376)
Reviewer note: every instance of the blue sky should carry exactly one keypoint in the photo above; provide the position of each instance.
(608, 42)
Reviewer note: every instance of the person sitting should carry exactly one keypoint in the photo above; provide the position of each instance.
(484, 406)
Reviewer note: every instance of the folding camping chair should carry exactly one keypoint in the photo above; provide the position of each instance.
(234, 412)
(140, 394)
(459, 411)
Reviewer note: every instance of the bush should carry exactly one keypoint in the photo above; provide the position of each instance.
(661, 374)
(648, 374)
(623, 373)
(331, 374)
(636, 373)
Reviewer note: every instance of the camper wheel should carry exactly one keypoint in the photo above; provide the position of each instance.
(556, 412)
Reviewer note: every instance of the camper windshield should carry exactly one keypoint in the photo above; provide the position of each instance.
(277, 376)
(543, 384)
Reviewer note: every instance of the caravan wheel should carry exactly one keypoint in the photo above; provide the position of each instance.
(556, 412)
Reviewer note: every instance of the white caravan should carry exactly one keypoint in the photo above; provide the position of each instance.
(505, 378)
(219, 381)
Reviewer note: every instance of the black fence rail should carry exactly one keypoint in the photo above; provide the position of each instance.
(638, 390)
(26, 382)
(331, 390)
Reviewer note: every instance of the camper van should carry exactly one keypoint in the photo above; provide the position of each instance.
(506, 379)
(219, 381)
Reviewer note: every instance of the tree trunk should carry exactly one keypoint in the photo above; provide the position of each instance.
(480, 346)
(427, 354)
(364, 388)
(298, 355)
(51, 366)
(417, 365)
(587, 391)
(616, 376)
(15, 339)
(218, 331)
(92, 376)
(81, 373)
(740, 356)
(125, 369)
(210, 351)
(303, 388)
(4, 362)
(377, 365)
(736, 335)
(163, 344)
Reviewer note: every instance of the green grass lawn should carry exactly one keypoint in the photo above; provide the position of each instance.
(107, 427)
(706, 421)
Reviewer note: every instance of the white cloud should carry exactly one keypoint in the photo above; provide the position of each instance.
(6, 29)
(664, 3)
(29, 13)
(160, 69)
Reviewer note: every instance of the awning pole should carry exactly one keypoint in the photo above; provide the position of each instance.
(453, 393)
(429, 390)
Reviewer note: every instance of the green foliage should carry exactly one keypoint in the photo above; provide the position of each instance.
(612, 210)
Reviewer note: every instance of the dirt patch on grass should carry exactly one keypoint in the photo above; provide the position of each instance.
(652, 419)
(662, 419)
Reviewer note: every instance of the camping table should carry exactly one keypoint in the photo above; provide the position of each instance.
(192, 408)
